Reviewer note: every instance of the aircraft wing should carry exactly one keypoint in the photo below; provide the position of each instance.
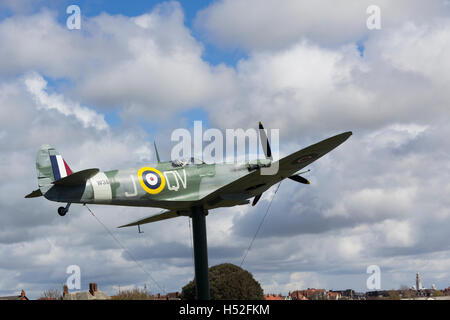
(157, 217)
(287, 166)
(300, 159)
(34, 194)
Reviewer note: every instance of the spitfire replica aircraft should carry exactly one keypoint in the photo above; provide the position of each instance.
(181, 188)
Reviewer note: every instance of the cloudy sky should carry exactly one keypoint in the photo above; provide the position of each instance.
(136, 71)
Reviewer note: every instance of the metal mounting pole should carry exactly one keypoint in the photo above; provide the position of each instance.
(200, 253)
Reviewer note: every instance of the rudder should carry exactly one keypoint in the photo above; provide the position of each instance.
(50, 167)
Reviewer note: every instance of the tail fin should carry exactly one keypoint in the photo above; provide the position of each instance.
(50, 167)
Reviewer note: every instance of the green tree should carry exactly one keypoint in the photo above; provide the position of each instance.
(228, 282)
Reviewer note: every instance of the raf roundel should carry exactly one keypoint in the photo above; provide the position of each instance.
(151, 180)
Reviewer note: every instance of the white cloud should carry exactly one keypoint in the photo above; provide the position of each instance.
(349, 247)
(394, 135)
(375, 203)
(419, 48)
(397, 233)
(37, 85)
(396, 82)
(292, 88)
(253, 25)
(149, 65)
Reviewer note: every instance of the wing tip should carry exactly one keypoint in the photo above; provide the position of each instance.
(127, 225)
(345, 135)
(34, 194)
(348, 133)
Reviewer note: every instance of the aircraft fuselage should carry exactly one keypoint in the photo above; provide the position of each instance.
(157, 185)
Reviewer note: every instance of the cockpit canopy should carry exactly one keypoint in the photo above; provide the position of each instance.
(184, 162)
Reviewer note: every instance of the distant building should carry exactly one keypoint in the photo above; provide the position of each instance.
(274, 297)
(314, 294)
(446, 291)
(22, 296)
(92, 294)
(318, 294)
(348, 294)
(297, 295)
(168, 296)
(334, 295)
(418, 282)
(379, 294)
(308, 294)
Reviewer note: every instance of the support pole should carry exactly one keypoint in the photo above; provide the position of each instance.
(200, 253)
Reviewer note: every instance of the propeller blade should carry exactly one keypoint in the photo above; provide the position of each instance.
(256, 199)
(265, 141)
(299, 179)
